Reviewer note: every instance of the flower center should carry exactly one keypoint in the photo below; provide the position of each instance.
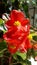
(17, 23)
(12, 47)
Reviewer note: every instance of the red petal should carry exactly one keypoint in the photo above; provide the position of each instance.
(11, 50)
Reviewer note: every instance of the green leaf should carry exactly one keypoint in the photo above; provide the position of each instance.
(15, 56)
(1, 21)
(27, 62)
(23, 63)
(22, 55)
(1, 52)
(3, 45)
(12, 0)
(35, 37)
(29, 53)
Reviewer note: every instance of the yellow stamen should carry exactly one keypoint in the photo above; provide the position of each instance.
(17, 23)
(30, 36)
(12, 47)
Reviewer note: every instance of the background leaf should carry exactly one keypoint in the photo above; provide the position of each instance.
(22, 55)
(1, 21)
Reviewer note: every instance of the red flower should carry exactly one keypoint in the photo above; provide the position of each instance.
(17, 16)
(17, 34)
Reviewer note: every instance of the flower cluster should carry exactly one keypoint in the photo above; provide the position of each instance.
(17, 34)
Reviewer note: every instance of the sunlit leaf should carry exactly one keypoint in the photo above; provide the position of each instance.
(22, 55)
(1, 21)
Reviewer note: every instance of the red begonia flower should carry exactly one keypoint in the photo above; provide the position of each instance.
(17, 33)
(17, 16)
